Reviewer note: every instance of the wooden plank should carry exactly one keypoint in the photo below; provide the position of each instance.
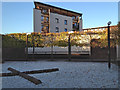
(30, 78)
(30, 72)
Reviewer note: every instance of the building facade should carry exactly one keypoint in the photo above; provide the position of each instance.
(48, 18)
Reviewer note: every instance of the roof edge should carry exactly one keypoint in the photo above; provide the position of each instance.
(57, 7)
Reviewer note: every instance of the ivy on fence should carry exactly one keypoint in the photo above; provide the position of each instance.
(92, 38)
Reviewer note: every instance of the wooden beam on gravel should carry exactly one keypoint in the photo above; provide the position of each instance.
(30, 78)
(30, 72)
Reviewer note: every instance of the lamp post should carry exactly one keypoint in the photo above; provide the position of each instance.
(109, 61)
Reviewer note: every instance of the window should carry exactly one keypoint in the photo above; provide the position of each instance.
(77, 17)
(81, 18)
(57, 29)
(47, 18)
(57, 20)
(65, 22)
(47, 27)
(65, 29)
(41, 26)
(75, 24)
(44, 10)
(42, 18)
(73, 17)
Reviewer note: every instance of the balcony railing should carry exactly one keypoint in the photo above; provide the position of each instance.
(45, 22)
(45, 13)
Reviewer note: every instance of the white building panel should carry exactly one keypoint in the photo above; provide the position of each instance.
(80, 25)
(37, 20)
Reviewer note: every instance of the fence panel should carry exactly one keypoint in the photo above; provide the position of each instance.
(80, 44)
(63, 43)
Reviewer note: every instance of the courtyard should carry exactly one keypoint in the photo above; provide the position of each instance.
(70, 74)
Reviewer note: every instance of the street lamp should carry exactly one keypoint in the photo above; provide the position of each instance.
(109, 61)
(109, 22)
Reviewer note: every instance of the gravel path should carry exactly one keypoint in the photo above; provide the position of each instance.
(71, 75)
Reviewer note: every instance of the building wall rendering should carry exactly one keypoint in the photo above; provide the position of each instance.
(37, 20)
(61, 25)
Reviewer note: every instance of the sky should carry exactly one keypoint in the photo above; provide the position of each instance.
(17, 17)
(119, 11)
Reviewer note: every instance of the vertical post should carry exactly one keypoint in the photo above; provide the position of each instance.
(49, 20)
(80, 24)
(51, 46)
(69, 48)
(33, 44)
(26, 46)
(34, 18)
(90, 44)
(109, 61)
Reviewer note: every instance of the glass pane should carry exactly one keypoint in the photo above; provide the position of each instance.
(65, 30)
(65, 22)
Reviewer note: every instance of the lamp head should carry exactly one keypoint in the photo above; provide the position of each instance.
(28, 33)
(109, 22)
(70, 32)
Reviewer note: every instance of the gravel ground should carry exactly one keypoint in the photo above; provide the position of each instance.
(70, 75)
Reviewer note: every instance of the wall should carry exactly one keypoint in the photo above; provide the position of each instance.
(118, 52)
(13, 53)
(60, 25)
(102, 53)
(37, 20)
(0, 54)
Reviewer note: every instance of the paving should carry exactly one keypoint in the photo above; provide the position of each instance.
(70, 74)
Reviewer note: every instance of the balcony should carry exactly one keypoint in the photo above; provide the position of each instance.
(44, 12)
(45, 22)
(76, 27)
(45, 30)
(45, 15)
(75, 20)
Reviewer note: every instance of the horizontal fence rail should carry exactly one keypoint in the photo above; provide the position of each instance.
(59, 50)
